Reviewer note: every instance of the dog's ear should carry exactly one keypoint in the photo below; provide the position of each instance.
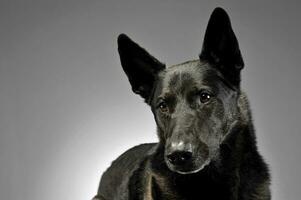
(220, 47)
(140, 67)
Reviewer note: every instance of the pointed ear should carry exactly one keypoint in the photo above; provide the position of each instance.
(140, 67)
(220, 47)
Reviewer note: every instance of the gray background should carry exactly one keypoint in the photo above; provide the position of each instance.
(66, 109)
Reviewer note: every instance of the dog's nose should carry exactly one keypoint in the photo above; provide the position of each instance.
(180, 157)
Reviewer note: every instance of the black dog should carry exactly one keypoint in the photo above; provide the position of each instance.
(207, 147)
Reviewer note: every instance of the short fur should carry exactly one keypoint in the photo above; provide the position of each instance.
(207, 147)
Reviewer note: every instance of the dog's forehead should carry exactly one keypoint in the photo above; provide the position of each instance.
(190, 74)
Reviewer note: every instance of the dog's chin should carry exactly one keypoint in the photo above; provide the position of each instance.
(187, 171)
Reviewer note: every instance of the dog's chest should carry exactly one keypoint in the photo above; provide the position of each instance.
(188, 189)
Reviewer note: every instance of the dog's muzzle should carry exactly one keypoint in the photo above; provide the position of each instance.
(185, 158)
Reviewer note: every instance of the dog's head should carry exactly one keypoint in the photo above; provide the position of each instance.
(195, 103)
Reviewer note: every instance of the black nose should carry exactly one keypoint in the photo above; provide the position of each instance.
(179, 157)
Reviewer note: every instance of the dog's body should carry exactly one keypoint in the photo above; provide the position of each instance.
(207, 147)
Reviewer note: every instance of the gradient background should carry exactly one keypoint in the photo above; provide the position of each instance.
(66, 108)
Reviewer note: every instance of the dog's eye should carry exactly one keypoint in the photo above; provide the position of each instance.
(163, 107)
(205, 97)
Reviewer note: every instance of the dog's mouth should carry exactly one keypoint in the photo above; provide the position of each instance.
(187, 169)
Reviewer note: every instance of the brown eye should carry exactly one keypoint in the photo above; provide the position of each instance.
(163, 107)
(205, 97)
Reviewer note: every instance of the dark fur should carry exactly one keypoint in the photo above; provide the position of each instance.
(217, 133)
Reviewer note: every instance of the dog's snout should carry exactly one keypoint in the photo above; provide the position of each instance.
(180, 157)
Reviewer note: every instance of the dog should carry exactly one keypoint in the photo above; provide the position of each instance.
(207, 146)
